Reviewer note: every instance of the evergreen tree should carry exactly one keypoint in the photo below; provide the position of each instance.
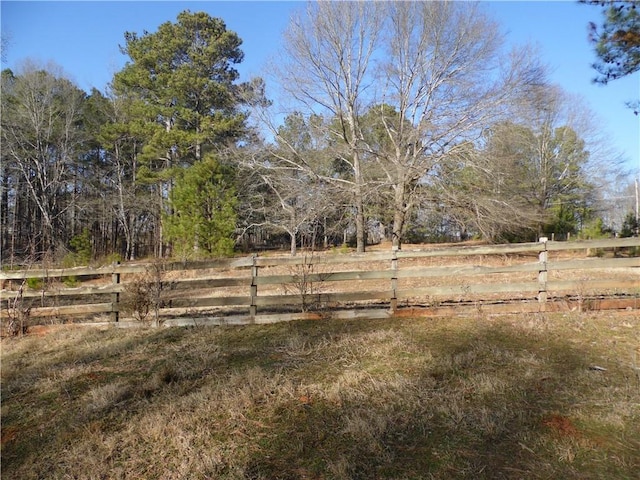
(184, 99)
(630, 225)
(184, 81)
(617, 41)
(204, 218)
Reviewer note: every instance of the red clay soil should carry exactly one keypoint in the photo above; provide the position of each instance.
(8, 434)
(560, 425)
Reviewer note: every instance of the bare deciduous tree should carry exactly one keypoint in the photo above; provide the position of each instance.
(444, 77)
(544, 171)
(402, 85)
(40, 139)
(327, 70)
(288, 198)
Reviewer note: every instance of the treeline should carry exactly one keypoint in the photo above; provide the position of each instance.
(407, 122)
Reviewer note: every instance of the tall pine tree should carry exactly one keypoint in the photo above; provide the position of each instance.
(184, 91)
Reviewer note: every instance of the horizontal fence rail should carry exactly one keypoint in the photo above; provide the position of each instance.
(264, 289)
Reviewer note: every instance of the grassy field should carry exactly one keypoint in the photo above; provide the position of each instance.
(515, 397)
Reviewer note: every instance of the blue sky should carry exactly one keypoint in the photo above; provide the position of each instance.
(83, 37)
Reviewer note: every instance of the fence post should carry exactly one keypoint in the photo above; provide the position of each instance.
(253, 308)
(115, 297)
(543, 257)
(394, 278)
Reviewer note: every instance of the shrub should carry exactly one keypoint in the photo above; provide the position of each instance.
(71, 281)
(629, 226)
(35, 283)
(593, 230)
(15, 322)
(81, 245)
(144, 294)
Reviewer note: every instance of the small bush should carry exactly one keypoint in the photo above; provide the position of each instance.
(341, 250)
(594, 230)
(15, 321)
(35, 283)
(305, 285)
(81, 245)
(630, 225)
(144, 294)
(71, 281)
(112, 258)
(136, 300)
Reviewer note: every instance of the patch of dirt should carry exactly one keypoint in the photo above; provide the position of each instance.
(560, 425)
(8, 434)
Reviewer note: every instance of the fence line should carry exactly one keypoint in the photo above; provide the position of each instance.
(305, 284)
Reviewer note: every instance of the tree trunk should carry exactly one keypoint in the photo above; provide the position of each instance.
(399, 214)
(4, 210)
(359, 204)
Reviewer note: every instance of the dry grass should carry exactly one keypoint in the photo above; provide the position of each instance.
(510, 397)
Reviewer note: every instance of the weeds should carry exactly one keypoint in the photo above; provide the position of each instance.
(306, 277)
(17, 314)
(35, 283)
(144, 294)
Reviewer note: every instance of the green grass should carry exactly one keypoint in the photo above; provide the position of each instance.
(475, 398)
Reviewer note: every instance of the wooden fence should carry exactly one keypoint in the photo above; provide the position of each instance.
(443, 280)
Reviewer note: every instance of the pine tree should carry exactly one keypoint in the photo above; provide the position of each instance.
(185, 101)
(204, 218)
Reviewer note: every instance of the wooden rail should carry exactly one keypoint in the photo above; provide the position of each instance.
(267, 289)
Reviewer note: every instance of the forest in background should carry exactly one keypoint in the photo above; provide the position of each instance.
(405, 122)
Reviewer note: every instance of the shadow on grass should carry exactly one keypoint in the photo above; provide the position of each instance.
(44, 378)
(357, 400)
(492, 401)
